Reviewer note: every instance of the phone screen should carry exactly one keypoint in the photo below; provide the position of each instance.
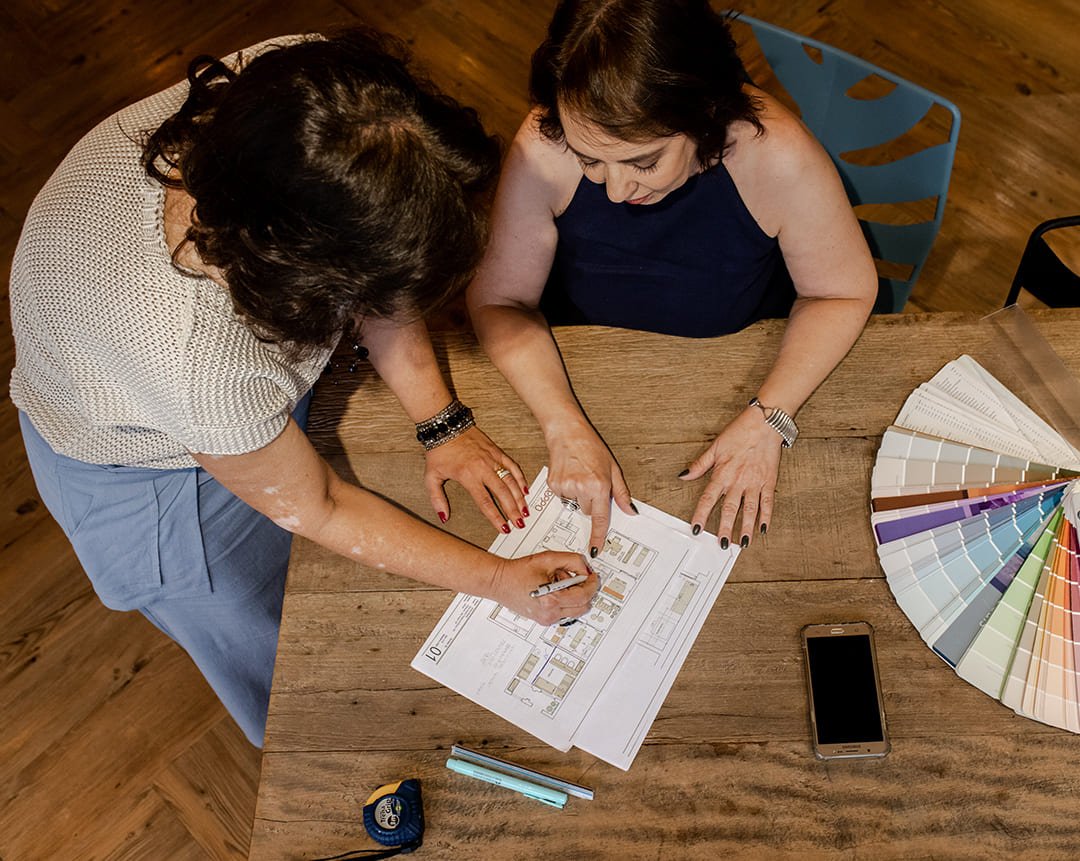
(844, 689)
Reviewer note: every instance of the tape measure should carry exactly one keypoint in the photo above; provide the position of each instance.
(394, 817)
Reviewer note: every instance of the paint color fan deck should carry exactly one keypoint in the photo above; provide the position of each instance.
(974, 510)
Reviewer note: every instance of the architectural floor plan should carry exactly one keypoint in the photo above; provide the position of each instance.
(613, 666)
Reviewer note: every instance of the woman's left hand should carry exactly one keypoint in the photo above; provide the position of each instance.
(492, 478)
(744, 460)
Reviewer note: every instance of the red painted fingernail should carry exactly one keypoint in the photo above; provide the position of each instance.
(520, 523)
(505, 528)
(526, 491)
(525, 511)
(442, 517)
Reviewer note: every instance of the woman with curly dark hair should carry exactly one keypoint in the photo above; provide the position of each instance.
(653, 187)
(179, 285)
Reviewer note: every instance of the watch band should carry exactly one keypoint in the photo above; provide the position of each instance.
(779, 421)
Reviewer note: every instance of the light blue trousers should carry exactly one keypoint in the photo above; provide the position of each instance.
(203, 566)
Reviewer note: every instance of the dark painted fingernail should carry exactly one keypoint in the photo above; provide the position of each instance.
(745, 541)
(442, 517)
(505, 528)
(520, 523)
(724, 543)
(526, 491)
(525, 511)
(592, 552)
(764, 528)
(697, 529)
(633, 508)
(684, 473)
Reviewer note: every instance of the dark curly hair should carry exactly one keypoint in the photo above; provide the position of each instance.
(640, 69)
(330, 183)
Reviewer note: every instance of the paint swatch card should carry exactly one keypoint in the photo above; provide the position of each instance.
(974, 509)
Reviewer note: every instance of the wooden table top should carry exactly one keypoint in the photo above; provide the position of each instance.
(727, 767)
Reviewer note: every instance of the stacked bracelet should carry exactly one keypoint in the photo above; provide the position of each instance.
(779, 421)
(449, 423)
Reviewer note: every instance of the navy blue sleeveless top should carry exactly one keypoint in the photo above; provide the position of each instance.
(694, 264)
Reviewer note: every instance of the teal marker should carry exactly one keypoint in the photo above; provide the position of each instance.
(530, 790)
(515, 770)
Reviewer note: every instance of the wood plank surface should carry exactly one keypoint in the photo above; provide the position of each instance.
(832, 496)
(1012, 69)
(967, 778)
(211, 789)
(727, 766)
(344, 664)
(700, 800)
(702, 385)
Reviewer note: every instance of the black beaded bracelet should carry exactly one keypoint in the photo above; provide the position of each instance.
(447, 424)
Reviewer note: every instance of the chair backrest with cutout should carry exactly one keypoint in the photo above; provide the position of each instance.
(845, 124)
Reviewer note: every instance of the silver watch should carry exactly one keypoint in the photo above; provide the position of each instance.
(779, 421)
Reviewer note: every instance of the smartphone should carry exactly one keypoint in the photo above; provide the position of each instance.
(847, 715)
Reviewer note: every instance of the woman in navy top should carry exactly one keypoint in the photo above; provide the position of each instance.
(652, 188)
(695, 263)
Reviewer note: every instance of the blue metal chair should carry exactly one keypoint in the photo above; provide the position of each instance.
(844, 124)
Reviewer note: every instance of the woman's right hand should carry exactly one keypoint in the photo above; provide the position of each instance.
(583, 469)
(514, 579)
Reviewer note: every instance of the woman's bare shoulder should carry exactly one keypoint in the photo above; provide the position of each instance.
(544, 167)
(782, 150)
(777, 167)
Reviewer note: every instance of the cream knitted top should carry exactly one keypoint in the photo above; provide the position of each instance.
(120, 358)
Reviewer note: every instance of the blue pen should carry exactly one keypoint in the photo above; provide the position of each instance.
(542, 794)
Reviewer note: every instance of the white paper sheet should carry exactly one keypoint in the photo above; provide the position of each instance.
(631, 699)
(965, 403)
(599, 682)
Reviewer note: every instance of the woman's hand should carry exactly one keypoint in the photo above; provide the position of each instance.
(492, 478)
(583, 469)
(744, 460)
(514, 579)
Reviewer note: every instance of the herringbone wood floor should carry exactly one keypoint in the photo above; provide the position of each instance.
(112, 745)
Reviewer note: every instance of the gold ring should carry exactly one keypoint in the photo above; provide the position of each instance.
(502, 471)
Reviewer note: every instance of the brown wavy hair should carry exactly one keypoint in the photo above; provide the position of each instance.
(640, 69)
(330, 183)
